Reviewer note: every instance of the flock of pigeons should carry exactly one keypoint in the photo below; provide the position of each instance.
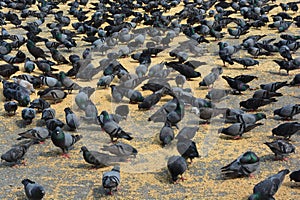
(106, 25)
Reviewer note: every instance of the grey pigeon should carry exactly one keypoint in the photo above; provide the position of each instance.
(288, 111)
(48, 113)
(10, 107)
(71, 119)
(238, 129)
(120, 149)
(67, 82)
(217, 94)
(176, 115)
(83, 96)
(247, 118)
(266, 189)
(51, 124)
(244, 165)
(246, 62)
(187, 149)
(166, 135)
(91, 113)
(112, 128)
(286, 130)
(161, 114)
(187, 133)
(273, 86)
(208, 113)
(16, 153)
(111, 180)
(177, 165)
(28, 114)
(33, 190)
(281, 148)
(65, 141)
(209, 79)
(265, 94)
(52, 94)
(98, 159)
(39, 134)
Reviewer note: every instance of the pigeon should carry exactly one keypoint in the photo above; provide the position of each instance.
(16, 153)
(187, 149)
(287, 111)
(161, 114)
(166, 135)
(217, 94)
(120, 149)
(296, 80)
(255, 103)
(39, 104)
(209, 80)
(246, 62)
(53, 94)
(83, 96)
(177, 165)
(295, 176)
(176, 115)
(71, 119)
(281, 148)
(7, 70)
(98, 159)
(247, 118)
(274, 86)
(28, 114)
(49, 81)
(180, 80)
(286, 130)
(187, 133)
(111, 179)
(58, 57)
(33, 190)
(67, 82)
(48, 113)
(208, 113)
(267, 188)
(65, 141)
(237, 85)
(112, 128)
(151, 100)
(51, 124)
(244, 165)
(238, 129)
(105, 81)
(10, 107)
(37, 52)
(39, 134)
(265, 94)
(184, 69)
(122, 110)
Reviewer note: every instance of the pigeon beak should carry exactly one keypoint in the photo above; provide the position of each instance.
(80, 151)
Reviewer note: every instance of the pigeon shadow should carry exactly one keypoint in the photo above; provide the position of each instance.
(49, 154)
(267, 158)
(163, 176)
(277, 73)
(99, 192)
(21, 123)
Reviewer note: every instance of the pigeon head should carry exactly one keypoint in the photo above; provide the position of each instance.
(58, 132)
(83, 149)
(116, 168)
(261, 116)
(26, 181)
(68, 110)
(249, 157)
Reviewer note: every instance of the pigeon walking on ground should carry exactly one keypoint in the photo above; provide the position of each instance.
(16, 153)
(121, 149)
(288, 111)
(267, 188)
(286, 130)
(244, 165)
(33, 190)
(281, 148)
(39, 134)
(65, 141)
(187, 149)
(112, 128)
(238, 129)
(177, 165)
(71, 119)
(10, 107)
(111, 180)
